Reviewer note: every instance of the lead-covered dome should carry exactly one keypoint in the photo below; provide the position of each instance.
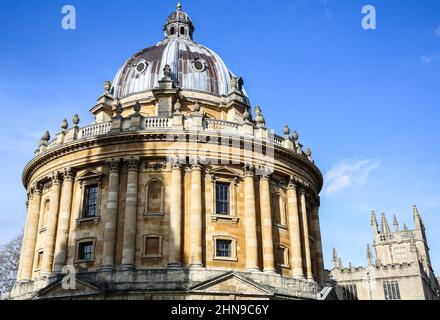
(194, 67)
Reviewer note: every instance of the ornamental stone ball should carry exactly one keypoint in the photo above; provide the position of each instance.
(286, 130)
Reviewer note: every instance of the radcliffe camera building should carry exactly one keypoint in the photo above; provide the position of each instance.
(402, 269)
(176, 191)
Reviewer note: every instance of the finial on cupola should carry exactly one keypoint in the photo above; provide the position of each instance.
(45, 139)
(64, 124)
(75, 120)
(259, 117)
(137, 107)
(309, 154)
(286, 131)
(295, 135)
(179, 6)
(107, 86)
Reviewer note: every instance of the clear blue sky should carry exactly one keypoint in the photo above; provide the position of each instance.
(367, 102)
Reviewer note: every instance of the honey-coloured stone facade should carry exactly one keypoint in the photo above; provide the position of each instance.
(174, 192)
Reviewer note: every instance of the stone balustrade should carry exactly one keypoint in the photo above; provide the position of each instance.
(209, 126)
(95, 130)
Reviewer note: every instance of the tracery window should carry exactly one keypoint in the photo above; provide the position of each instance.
(391, 290)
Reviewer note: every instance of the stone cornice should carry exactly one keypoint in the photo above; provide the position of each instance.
(145, 136)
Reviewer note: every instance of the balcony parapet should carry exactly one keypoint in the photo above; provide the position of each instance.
(176, 122)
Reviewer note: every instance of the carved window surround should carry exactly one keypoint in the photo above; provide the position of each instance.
(233, 257)
(84, 182)
(233, 214)
(161, 212)
(37, 261)
(84, 240)
(285, 264)
(156, 256)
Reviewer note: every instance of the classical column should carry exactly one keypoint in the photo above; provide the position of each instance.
(294, 232)
(175, 243)
(318, 244)
(130, 222)
(307, 252)
(30, 241)
(196, 217)
(266, 225)
(111, 215)
(25, 232)
(64, 220)
(52, 220)
(250, 220)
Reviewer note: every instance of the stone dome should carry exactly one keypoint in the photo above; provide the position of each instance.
(194, 67)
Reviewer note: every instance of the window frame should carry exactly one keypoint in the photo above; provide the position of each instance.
(286, 253)
(283, 210)
(84, 183)
(391, 287)
(233, 215)
(77, 246)
(162, 198)
(144, 243)
(37, 265)
(232, 240)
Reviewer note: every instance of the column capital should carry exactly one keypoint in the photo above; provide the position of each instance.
(248, 170)
(133, 163)
(37, 188)
(55, 177)
(175, 163)
(295, 183)
(195, 164)
(113, 165)
(69, 174)
(265, 173)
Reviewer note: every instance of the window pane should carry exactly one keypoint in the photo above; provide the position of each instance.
(223, 248)
(91, 201)
(85, 251)
(222, 198)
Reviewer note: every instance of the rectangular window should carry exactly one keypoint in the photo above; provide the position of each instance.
(39, 260)
(281, 256)
(349, 292)
(91, 201)
(223, 248)
(222, 198)
(391, 290)
(152, 247)
(85, 251)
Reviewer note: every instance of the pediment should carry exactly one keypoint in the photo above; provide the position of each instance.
(56, 290)
(90, 174)
(231, 283)
(225, 170)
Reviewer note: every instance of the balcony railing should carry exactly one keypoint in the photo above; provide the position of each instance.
(95, 130)
(162, 123)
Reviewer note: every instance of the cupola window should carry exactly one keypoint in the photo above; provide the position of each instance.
(172, 31)
(199, 65)
(182, 30)
(141, 66)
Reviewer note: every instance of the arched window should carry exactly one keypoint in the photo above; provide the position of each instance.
(182, 30)
(279, 210)
(154, 204)
(172, 31)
